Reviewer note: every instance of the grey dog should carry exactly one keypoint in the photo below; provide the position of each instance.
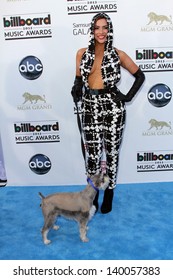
(77, 206)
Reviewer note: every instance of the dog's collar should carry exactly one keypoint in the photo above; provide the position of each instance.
(92, 184)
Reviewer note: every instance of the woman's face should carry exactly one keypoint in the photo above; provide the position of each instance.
(101, 31)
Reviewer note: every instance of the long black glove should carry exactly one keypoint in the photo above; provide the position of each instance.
(139, 79)
(76, 90)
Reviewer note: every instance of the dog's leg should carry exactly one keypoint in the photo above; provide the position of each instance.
(83, 229)
(49, 222)
(44, 235)
(92, 211)
(55, 227)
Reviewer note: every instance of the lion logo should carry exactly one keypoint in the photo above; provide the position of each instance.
(158, 124)
(33, 98)
(158, 19)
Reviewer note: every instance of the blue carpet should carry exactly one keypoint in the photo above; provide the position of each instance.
(140, 227)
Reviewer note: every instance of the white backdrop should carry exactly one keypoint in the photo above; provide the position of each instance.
(40, 137)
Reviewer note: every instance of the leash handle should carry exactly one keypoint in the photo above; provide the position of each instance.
(80, 130)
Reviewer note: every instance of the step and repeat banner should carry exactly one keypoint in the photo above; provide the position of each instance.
(38, 122)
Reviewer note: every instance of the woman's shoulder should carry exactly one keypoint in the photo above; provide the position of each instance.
(126, 61)
(122, 55)
(120, 52)
(80, 52)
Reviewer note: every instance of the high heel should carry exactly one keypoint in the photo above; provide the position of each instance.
(107, 201)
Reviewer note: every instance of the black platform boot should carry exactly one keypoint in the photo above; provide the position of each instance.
(107, 201)
(95, 201)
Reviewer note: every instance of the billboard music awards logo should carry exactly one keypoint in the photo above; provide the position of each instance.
(157, 59)
(27, 26)
(158, 23)
(154, 161)
(36, 132)
(88, 7)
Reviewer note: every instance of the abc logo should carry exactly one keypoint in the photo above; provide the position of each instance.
(30, 67)
(159, 95)
(40, 164)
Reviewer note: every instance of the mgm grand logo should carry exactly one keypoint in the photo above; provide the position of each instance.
(158, 128)
(158, 22)
(34, 102)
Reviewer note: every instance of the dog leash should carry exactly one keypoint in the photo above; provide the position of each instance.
(92, 184)
(80, 130)
(83, 146)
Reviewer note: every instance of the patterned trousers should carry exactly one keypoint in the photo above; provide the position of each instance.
(103, 121)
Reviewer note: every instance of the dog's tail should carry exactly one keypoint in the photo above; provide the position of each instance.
(41, 195)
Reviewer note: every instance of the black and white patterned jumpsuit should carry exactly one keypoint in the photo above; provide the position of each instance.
(103, 118)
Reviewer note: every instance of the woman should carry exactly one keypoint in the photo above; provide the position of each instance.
(103, 105)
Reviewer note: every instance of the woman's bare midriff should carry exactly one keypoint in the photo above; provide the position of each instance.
(95, 78)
